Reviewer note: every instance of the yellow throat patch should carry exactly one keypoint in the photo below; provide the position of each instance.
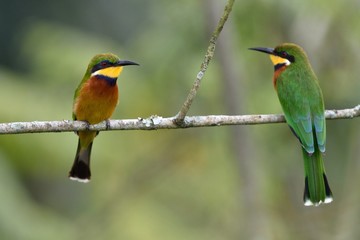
(111, 72)
(279, 60)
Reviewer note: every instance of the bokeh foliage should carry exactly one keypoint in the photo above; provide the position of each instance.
(174, 184)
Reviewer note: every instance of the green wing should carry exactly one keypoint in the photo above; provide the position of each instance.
(318, 112)
(320, 130)
(301, 100)
(293, 96)
(298, 116)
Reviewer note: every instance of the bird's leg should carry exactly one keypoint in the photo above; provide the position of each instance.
(107, 124)
(87, 127)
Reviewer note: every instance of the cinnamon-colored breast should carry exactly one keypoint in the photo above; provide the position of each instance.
(277, 74)
(96, 101)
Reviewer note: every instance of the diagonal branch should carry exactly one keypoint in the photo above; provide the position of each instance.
(180, 117)
(157, 122)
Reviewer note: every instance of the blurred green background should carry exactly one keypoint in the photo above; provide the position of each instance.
(243, 182)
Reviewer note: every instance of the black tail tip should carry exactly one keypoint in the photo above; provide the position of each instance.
(328, 198)
(80, 172)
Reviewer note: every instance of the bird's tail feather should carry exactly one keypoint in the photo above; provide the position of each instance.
(80, 170)
(317, 189)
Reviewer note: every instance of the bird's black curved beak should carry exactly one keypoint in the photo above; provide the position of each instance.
(263, 49)
(125, 63)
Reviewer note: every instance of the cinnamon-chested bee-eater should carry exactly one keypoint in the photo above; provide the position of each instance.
(95, 100)
(302, 102)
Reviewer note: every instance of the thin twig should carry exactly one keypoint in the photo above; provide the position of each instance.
(180, 117)
(157, 122)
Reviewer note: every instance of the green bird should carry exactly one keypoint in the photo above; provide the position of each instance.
(301, 99)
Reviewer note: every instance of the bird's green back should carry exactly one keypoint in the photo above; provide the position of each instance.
(301, 99)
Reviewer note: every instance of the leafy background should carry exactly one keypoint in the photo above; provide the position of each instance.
(242, 182)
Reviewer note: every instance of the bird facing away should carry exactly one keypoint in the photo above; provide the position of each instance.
(95, 100)
(301, 99)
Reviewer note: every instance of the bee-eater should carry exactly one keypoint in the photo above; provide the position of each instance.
(302, 102)
(95, 100)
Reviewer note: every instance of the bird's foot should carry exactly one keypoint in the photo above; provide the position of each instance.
(87, 127)
(107, 124)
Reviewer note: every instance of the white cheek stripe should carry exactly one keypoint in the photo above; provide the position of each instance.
(95, 73)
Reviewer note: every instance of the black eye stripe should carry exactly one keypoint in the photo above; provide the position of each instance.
(284, 54)
(101, 65)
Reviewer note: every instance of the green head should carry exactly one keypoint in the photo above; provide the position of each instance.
(286, 54)
(107, 65)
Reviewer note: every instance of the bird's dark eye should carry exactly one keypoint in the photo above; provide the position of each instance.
(104, 64)
(283, 54)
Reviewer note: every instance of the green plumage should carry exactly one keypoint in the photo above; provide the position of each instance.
(302, 102)
(317, 188)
